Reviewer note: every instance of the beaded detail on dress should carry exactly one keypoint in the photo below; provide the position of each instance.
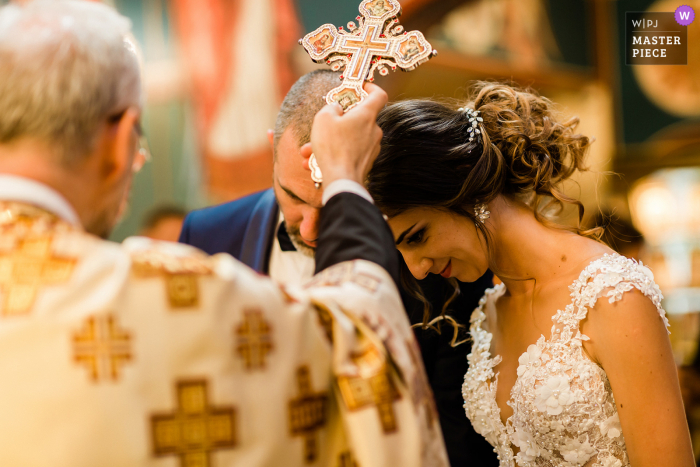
(564, 413)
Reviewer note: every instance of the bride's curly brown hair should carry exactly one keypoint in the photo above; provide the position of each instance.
(526, 150)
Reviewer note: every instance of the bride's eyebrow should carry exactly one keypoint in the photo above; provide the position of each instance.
(405, 232)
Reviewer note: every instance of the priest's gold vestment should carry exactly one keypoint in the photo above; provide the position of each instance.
(153, 354)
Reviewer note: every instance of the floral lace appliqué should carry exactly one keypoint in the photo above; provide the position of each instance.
(564, 413)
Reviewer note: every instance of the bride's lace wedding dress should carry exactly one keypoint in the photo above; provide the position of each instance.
(564, 412)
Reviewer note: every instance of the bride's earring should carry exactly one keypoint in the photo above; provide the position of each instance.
(481, 213)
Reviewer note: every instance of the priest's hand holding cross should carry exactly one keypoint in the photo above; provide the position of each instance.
(346, 144)
(376, 43)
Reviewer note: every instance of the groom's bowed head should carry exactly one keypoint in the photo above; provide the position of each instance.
(376, 42)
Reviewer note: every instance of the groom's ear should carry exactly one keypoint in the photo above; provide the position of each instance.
(271, 138)
(305, 152)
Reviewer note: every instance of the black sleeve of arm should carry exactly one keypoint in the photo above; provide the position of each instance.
(353, 228)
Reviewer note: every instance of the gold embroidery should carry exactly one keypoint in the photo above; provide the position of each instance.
(288, 298)
(26, 270)
(183, 290)
(307, 414)
(254, 339)
(344, 272)
(325, 319)
(346, 460)
(102, 347)
(181, 274)
(374, 387)
(421, 394)
(195, 429)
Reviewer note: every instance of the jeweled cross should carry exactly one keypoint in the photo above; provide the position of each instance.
(365, 49)
(377, 43)
(195, 429)
(102, 346)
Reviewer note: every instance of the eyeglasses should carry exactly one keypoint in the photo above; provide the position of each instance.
(144, 153)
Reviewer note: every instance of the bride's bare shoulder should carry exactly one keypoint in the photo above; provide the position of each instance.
(623, 306)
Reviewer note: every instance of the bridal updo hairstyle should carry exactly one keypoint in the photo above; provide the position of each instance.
(525, 150)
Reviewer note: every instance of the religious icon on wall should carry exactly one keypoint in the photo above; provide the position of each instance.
(519, 31)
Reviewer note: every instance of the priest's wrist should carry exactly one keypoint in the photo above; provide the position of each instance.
(331, 174)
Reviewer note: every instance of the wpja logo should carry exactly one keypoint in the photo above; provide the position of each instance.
(658, 38)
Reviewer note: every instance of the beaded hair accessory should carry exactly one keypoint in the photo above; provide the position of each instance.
(474, 119)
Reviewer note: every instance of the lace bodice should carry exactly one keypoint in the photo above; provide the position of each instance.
(564, 413)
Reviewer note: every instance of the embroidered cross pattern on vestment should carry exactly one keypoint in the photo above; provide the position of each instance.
(254, 339)
(346, 460)
(102, 347)
(373, 386)
(375, 43)
(24, 271)
(307, 414)
(421, 393)
(345, 272)
(196, 429)
(181, 274)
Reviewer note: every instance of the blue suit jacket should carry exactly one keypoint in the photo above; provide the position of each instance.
(243, 228)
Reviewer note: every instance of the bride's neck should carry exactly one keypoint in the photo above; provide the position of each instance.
(525, 253)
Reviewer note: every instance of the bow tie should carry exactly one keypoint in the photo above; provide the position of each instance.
(283, 237)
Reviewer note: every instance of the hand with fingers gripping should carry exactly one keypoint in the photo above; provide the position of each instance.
(346, 144)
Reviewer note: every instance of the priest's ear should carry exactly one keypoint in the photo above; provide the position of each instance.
(271, 138)
(121, 144)
(306, 152)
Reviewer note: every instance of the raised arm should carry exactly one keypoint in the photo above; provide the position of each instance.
(351, 227)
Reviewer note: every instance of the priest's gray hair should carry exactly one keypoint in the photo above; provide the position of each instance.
(66, 66)
(302, 103)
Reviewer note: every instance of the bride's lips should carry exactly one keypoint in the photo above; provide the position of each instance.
(447, 271)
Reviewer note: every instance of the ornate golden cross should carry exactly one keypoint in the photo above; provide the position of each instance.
(26, 270)
(102, 347)
(254, 339)
(195, 429)
(376, 43)
(307, 414)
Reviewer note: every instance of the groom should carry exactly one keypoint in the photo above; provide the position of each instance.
(275, 233)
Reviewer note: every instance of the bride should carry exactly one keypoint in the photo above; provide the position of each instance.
(571, 363)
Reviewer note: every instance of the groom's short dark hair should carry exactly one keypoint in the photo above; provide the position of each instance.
(302, 103)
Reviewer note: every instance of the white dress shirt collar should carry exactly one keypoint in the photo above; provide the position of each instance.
(25, 190)
(289, 267)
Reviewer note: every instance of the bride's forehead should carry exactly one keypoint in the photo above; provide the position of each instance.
(412, 216)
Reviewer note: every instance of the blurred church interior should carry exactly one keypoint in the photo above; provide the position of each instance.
(217, 70)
